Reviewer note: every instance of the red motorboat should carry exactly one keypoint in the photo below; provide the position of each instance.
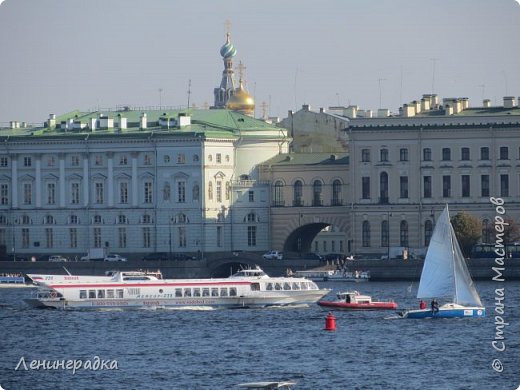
(353, 300)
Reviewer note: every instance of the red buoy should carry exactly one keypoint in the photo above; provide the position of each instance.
(330, 322)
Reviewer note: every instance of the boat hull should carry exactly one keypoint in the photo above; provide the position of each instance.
(358, 306)
(447, 311)
(309, 297)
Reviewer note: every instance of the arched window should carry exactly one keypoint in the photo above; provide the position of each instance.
(336, 193)
(298, 193)
(403, 233)
(383, 154)
(383, 188)
(181, 218)
(251, 217)
(278, 194)
(316, 193)
(365, 239)
(384, 234)
(195, 192)
(428, 230)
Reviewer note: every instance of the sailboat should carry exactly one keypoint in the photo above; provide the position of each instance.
(445, 275)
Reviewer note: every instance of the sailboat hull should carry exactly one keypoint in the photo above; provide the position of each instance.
(447, 311)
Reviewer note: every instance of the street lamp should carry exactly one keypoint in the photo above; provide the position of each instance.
(388, 215)
(14, 239)
(170, 221)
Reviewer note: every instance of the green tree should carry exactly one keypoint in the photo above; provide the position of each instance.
(468, 230)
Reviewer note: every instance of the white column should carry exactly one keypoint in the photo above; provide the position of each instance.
(38, 181)
(14, 180)
(86, 180)
(110, 163)
(135, 194)
(61, 179)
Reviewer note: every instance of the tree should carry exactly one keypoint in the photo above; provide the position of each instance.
(468, 230)
(511, 231)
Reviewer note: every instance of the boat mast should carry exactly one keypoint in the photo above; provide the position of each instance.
(452, 233)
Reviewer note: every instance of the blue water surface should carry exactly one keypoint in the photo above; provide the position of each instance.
(180, 349)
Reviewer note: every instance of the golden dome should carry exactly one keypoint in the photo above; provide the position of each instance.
(241, 101)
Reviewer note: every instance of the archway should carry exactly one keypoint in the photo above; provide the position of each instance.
(300, 240)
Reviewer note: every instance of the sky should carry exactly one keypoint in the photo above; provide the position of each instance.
(57, 56)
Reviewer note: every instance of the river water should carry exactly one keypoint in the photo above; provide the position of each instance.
(182, 349)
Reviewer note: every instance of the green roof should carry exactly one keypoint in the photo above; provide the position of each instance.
(207, 122)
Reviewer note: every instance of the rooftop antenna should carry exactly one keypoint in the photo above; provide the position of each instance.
(434, 60)
(189, 93)
(264, 110)
(379, 81)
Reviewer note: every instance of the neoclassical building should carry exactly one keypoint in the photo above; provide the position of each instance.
(405, 168)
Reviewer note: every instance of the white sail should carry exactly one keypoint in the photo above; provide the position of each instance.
(445, 273)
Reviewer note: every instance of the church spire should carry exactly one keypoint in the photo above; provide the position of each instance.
(227, 84)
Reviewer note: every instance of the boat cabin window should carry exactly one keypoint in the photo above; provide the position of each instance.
(255, 286)
(305, 286)
(214, 292)
(101, 293)
(232, 291)
(82, 294)
(287, 286)
(110, 293)
(178, 292)
(295, 286)
(136, 278)
(196, 292)
(277, 286)
(119, 293)
(205, 292)
(92, 293)
(223, 292)
(187, 292)
(269, 287)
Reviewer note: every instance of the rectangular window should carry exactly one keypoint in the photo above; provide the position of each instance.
(484, 185)
(504, 185)
(100, 192)
(4, 162)
(218, 191)
(446, 186)
(251, 236)
(25, 238)
(181, 192)
(147, 237)
(27, 161)
(365, 155)
(383, 154)
(51, 161)
(446, 154)
(427, 186)
(148, 192)
(147, 159)
(181, 158)
(365, 187)
(251, 196)
(182, 237)
(218, 158)
(97, 237)
(403, 154)
(504, 153)
(73, 237)
(123, 192)
(4, 194)
(465, 184)
(427, 154)
(98, 160)
(49, 237)
(82, 294)
(403, 187)
(74, 193)
(464, 154)
(74, 161)
(121, 237)
(27, 193)
(123, 160)
(51, 193)
(484, 153)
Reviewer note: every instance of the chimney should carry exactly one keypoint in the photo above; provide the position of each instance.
(465, 103)
(448, 109)
(143, 121)
(417, 106)
(408, 110)
(486, 103)
(350, 112)
(425, 104)
(123, 123)
(51, 122)
(306, 107)
(92, 124)
(509, 102)
(383, 113)
(184, 120)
